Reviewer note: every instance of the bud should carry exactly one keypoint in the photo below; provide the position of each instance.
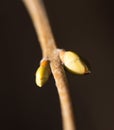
(73, 62)
(43, 73)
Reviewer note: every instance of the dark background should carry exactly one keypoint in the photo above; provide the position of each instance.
(82, 26)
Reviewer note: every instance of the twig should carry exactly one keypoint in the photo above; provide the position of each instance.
(49, 50)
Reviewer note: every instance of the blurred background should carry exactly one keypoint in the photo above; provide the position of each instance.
(85, 27)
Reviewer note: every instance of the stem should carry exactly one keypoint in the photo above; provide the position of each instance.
(49, 50)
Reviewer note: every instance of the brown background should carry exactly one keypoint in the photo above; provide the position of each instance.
(82, 26)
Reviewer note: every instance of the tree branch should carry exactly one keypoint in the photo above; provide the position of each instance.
(50, 51)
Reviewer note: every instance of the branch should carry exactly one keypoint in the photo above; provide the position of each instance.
(50, 51)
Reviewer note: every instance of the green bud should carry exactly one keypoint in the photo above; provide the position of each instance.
(73, 62)
(43, 73)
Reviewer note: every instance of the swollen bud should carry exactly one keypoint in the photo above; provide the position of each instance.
(73, 62)
(43, 73)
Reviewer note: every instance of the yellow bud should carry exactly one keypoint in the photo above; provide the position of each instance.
(73, 62)
(43, 73)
